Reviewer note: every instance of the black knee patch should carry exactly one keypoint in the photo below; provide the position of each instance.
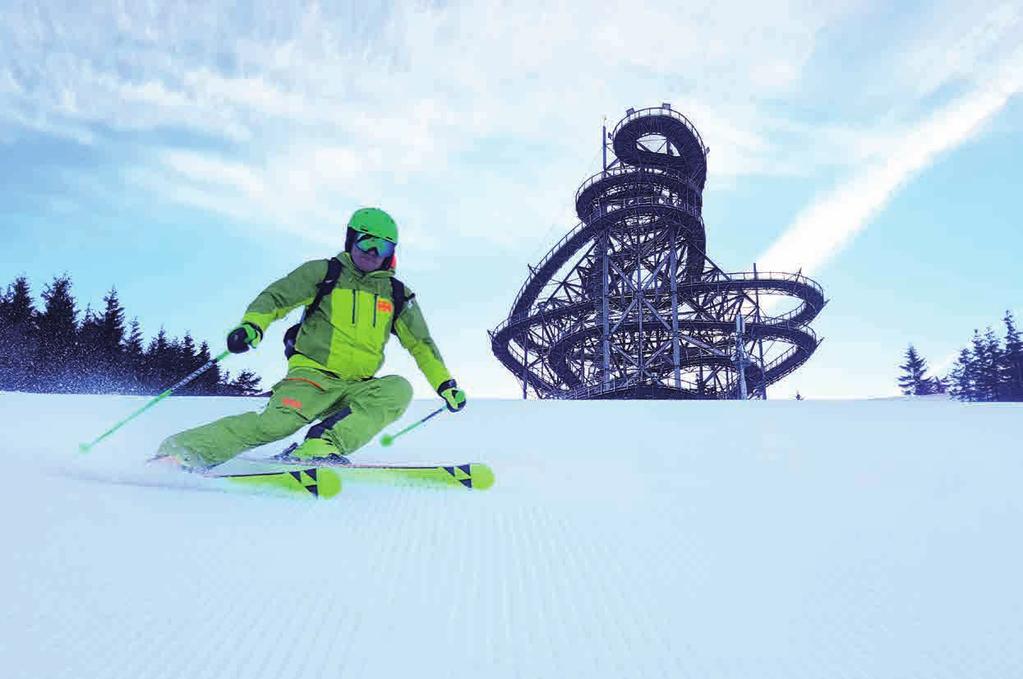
(317, 430)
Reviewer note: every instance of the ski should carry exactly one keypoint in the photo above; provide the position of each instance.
(475, 476)
(472, 475)
(307, 481)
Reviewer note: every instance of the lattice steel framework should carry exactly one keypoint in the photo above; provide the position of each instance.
(629, 305)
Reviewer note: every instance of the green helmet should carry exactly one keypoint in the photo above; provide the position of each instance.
(375, 222)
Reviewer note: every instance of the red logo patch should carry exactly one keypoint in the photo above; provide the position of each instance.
(292, 403)
(384, 306)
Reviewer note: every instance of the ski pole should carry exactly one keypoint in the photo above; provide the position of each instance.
(86, 447)
(388, 439)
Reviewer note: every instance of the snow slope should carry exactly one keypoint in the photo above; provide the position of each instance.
(622, 539)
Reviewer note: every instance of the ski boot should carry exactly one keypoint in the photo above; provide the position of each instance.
(312, 451)
(175, 454)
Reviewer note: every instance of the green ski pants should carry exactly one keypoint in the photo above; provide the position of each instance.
(351, 413)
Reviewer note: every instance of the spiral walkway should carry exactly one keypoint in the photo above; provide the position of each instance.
(629, 305)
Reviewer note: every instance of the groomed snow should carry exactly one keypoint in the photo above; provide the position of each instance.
(776, 539)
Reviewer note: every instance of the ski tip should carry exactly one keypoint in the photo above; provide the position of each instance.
(84, 447)
(482, 476)
(386, 440)
(329, 483)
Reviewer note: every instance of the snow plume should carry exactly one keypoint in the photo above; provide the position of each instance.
(828, 224)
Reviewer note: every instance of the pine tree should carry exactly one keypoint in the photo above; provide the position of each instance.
(134, 358)
(187, 361)
(246, 384)
(90, 376)
(157, 360)
(58, 330)
(963, 381)
(109, 341)
(207, 384)
(18, 302)
(51, 351)
(914, 382)
(1012, 368)
(17, 336)
(979, 373)
(987, 359)
(996, 366)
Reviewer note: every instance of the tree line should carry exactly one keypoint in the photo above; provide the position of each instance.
(52, 350)
(988, 369)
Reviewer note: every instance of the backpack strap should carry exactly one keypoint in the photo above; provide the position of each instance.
(323, 289)
(399, 295)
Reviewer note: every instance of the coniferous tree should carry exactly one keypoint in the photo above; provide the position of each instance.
(1012, 368)
(209, 381)
(996, 366)
(51, 351)
(18, 302)
(17, 336)
(89, 374)
(987, 359)
(962, 378)
(111, 335)
(57, 332)
(186, 362)
(134, 357)
(246, 384)
(914, 382)
(157, 358)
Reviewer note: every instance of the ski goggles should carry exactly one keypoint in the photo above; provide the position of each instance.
(368, 243)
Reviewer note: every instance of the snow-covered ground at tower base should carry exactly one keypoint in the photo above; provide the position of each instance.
(777, 539)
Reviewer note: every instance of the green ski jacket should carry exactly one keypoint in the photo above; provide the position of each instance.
(347, 333)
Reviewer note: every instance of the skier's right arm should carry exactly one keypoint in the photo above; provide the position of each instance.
(296, 289)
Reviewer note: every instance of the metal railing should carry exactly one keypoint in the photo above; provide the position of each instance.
(661, 112)
(639, 173)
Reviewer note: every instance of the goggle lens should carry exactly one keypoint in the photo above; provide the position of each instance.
(367, 243)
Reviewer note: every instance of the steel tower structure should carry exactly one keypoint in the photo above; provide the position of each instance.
(629, 305)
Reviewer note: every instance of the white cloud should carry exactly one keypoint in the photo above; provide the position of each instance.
(316, 108)
(959, 42)
(828, 224)
(395, 98)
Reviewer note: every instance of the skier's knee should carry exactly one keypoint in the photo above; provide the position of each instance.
(277, 423)
(398, 392)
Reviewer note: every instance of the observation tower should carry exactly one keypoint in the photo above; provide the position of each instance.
(628, 304)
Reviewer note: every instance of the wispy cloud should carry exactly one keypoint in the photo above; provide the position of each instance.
(397, 97)
(302, 111)
(828, 224)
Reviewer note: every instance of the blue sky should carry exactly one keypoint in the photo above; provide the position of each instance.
(191, 154)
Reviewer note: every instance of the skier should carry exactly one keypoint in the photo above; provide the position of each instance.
(353, 304)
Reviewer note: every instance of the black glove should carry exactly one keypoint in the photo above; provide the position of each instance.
(244, 336)
(451, 394)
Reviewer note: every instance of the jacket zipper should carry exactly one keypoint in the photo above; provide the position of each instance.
(353, 306)
(375, 298)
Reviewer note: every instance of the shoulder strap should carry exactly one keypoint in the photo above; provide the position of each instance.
(324, 287)
(399, 295)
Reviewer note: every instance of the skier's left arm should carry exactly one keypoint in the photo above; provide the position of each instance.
(414, 335)
(296, 289)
